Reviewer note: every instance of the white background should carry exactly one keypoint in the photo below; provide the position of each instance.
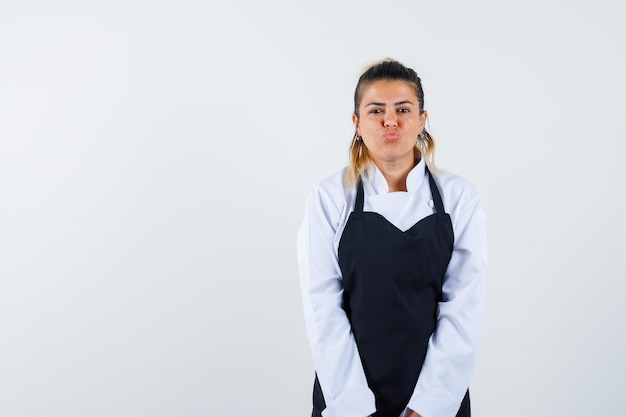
(155, 158)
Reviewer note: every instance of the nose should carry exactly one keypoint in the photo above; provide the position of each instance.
(390, 120)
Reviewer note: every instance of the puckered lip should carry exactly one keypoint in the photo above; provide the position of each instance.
(391, 135)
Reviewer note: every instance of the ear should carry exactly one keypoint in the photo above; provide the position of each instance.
(423, 118)
(355, 122)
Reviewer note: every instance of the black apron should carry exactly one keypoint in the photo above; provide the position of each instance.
(392, 284)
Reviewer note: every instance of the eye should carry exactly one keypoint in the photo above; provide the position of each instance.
(375, 111)
(404, 110)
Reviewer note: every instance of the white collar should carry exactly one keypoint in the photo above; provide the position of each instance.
(375, 183)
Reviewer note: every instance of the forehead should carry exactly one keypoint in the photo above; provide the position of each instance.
(389, 91)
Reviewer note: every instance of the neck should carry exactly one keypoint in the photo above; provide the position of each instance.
(395, 173)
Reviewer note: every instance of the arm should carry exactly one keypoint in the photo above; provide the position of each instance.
(451, 353)
(335, 354)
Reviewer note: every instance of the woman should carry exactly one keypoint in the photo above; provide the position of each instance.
(392, 260)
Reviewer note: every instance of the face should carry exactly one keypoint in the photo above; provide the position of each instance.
(390, 122)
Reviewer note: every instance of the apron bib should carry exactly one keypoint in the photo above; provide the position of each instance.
(392, 283)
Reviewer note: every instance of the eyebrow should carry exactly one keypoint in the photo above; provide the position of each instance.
(397, 103)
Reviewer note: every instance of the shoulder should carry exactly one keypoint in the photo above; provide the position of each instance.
(456, 190)
(330, 193)
(331, 187)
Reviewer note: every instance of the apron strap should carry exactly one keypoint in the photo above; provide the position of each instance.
(358, 205)
(434, 190)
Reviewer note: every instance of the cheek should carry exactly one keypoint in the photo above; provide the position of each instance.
(368, 125)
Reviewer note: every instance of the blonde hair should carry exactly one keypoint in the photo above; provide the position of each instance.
(387, 69)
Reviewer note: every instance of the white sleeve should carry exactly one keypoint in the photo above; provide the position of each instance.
(335, 355)
(451, 354)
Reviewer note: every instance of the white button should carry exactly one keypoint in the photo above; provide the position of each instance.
(431, 203)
